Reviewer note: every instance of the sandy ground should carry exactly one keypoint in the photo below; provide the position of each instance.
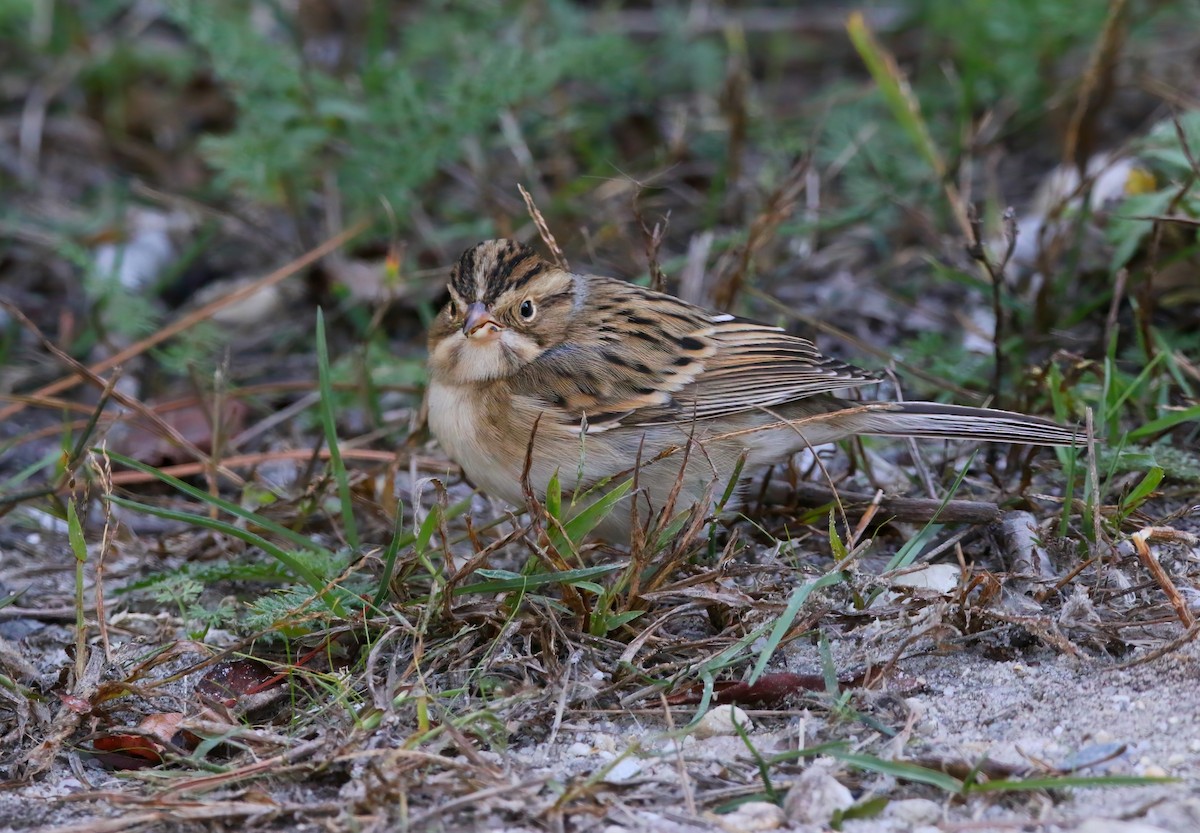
(1042, 706)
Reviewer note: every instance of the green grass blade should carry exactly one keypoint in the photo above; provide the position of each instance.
(554, 497)
(325, 382)
(1143, 489)
(232, 508)
(504, 581)
(579, 526)
(566, 539)
(901, 770)
(1058, 782)
(1113, 405)
(296, 566)
(731, 486)
(785, 620)
(79, 548)
(828, 669)
(1165, 423)
(913, 548)
(29, 471)
(389, 559)
(896, 91)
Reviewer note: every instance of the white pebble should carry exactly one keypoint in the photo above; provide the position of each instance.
(720, 720)
(751, 817)
(914, 811)
(623, 770)
(816, 796)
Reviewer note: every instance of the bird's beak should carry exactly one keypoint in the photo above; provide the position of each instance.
(479, 322)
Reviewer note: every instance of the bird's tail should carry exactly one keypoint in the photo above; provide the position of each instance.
(958, 422)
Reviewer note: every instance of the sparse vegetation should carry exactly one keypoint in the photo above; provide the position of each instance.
(231, 558)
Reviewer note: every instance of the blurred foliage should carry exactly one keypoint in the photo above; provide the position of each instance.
(1009, 52)
(403, 110)
(398, 104)
(1171, 150)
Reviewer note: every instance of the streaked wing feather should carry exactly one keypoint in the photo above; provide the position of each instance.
(755, 366)
(648, 358)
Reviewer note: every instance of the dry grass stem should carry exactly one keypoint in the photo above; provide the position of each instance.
(556, 252)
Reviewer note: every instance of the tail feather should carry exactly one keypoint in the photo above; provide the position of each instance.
(959, 422)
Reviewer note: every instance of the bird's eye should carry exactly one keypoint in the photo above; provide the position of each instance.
(528, 310)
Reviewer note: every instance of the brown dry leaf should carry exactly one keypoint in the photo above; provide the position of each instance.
(233, 681)
(126, 750)
(770, 689)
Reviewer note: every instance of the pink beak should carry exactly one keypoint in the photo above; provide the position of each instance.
(479, 322)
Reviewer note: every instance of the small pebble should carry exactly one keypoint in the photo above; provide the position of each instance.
(623, 770)
(751, 817)
(720, 720)
(816, 796)
(914, 811)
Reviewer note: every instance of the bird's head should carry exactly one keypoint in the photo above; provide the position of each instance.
(507, 306)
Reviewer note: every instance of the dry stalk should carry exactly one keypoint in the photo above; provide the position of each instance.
(779, 206)
(102, 467)
(195, 316)
(1097, 87)
(1140, 543)
(653, 240)
(560, 260)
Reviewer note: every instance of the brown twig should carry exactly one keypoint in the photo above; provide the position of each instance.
(556, 252)
(1161, 651)
(734, 267)
(102, 466)
(909, 510)
(1140, 543)
(653, 239)
(193, 318)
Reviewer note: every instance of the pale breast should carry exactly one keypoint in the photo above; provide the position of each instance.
(458, 418)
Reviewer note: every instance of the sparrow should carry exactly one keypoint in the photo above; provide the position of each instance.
(594, 377)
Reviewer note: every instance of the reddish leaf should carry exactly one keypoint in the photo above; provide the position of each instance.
(124, 750)
(230, 681)
(770, 689)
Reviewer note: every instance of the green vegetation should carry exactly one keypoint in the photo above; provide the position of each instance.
(846, 178)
